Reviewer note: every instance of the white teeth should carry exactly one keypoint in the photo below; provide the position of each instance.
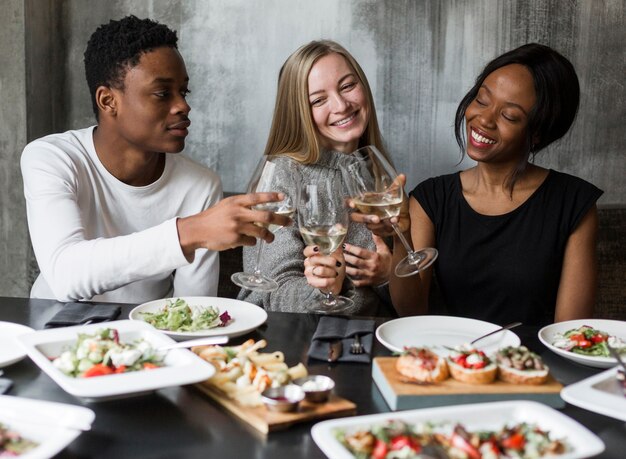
(479, 138)
(344, 121)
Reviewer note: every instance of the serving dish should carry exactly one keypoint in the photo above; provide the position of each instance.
(10, 350)
(246, 317)
(52, 425)
(181, 366)
(599, 393)
(547, 335)
(442, 332)
(475, 416)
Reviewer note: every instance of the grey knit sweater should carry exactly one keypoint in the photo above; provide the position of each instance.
(283, 260)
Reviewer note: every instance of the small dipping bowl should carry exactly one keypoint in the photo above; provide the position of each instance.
(317, 388)
(283, 398)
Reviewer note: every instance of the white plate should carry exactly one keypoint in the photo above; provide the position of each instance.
(181, 365)
(612, 327)
(600, 393)
(493, 415)
(45, 423)
(437, 332)
(10, 349)
(246, 316)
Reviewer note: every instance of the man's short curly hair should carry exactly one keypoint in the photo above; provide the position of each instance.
(117, 46)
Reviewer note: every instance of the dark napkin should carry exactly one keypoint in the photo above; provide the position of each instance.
(330, 329)
(79, 313)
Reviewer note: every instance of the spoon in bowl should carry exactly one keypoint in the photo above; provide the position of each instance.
(497, 330)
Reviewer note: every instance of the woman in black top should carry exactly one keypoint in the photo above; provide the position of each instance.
(516, 241)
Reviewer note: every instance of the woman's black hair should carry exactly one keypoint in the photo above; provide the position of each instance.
(557, 97)
(117, 46)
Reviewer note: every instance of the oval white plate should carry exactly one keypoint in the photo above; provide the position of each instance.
(612, 327)
(599, 393)
(478, 416)
(10, 350)
(439, 332)
(246, 316)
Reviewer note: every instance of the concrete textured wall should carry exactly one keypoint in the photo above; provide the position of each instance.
(420, 56)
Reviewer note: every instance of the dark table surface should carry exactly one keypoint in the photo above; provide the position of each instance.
(181, 422)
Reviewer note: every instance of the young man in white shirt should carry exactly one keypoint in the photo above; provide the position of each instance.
(114, 213)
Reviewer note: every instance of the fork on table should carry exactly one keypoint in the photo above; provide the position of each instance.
(356, 347)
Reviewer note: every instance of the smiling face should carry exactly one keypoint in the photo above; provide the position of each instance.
(497, 118)
(150, 111)
(338, 102)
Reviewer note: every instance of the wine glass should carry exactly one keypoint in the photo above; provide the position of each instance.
(375, 190)
(323, 220)
(271, 172)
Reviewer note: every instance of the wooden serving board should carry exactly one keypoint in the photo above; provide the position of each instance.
(268, 421)
(400, 394)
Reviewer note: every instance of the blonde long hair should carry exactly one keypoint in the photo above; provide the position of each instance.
(293, 132)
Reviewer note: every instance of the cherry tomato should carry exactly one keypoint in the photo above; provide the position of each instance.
(584, 343)
(515, 441)
(599, 338)
(120, 369)
(380, 450)
(98, 370)
(577, 337)
(149, 366)
(479, 365)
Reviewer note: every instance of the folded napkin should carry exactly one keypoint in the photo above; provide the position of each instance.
(80, 313)
(330, 329)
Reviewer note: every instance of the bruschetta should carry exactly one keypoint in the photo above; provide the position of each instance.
(519, 365)
(471, 366)
(422, 365)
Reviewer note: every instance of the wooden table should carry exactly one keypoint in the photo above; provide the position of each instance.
(181, 422)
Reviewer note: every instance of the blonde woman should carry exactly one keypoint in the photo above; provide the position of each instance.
(324, 111)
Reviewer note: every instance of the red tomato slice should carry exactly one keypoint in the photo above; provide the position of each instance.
(380, 450)
(599, 338)
(98, 370)
(515, 441)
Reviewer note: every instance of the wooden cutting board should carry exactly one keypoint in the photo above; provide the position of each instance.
(400, 394)
(267, 421)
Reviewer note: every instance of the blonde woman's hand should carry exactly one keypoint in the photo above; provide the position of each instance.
(367, 267)
(382, 227)
(324, 272)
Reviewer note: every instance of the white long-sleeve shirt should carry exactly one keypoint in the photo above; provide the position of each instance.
(97, 238)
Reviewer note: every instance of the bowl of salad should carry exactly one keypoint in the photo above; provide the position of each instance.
(585, 340)
(117, 359)
(186, 318)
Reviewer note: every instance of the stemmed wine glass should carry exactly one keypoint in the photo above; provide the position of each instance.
(375, 190)
(270, 173)
(323, 220)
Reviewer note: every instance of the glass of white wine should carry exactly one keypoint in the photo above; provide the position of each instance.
(323, 220)
(273, 173)
(375, 190)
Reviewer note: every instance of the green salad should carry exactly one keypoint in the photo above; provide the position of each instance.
(12, 444)
(180, 317)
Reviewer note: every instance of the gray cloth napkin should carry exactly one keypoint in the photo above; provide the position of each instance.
(330, 329)
(79, 313)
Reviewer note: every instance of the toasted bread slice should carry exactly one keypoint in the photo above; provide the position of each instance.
(422, 365)
(484, 375)
(518, 365)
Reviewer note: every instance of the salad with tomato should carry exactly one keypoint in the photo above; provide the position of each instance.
(400, 440)
(12, 444)
(588, 341)
(103, 354)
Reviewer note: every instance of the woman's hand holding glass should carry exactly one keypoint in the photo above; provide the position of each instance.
(323, 220)
(324, 272)
(368, 267)
(377, 190)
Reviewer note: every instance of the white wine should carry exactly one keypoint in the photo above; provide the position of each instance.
(383, 205)
(327, 237)
(277, 208)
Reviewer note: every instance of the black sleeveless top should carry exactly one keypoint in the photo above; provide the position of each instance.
(507, 267)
